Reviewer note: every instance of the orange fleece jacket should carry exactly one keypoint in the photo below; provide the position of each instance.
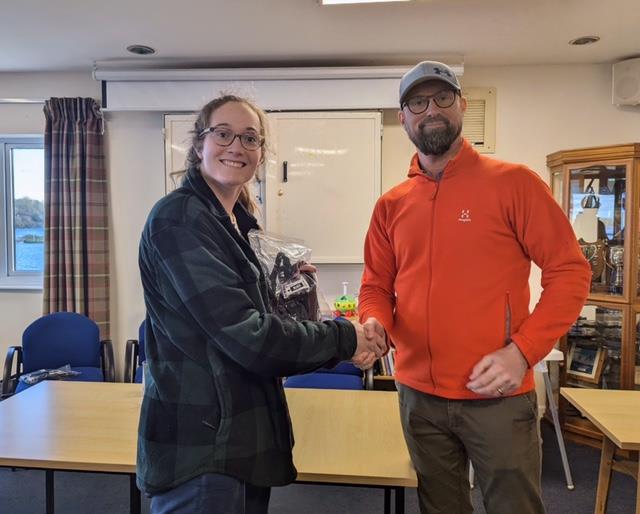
(447, 268)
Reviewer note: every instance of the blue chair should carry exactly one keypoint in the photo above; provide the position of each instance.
(56, 340)
(343, 368)
(134, 357)
(318, 380)
(343, 376)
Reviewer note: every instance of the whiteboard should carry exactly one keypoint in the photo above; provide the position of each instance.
(333, 177)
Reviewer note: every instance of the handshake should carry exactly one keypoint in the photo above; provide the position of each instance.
(372, 343)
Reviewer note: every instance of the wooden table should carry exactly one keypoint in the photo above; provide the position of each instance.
(617, 414)
(342, 437)
(73, 426)
(351, 438)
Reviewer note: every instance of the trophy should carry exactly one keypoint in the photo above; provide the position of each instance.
(616, 259)
(595, 255)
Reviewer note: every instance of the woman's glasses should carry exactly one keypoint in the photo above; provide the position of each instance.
(224, 137)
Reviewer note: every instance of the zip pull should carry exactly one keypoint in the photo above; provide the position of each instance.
(435, 191)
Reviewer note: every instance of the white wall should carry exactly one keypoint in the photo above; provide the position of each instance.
(19, 308)
(540, 109)
(135, 149)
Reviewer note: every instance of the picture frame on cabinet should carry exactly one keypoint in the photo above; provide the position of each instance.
(585, 363)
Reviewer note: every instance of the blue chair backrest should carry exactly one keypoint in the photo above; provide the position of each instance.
(142, 356)
(325, 381)
(61, 338)
(343, 368)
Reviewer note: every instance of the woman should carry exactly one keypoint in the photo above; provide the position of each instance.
(214, 431)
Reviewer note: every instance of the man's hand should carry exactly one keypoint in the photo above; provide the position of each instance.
(365, 360)
(498, 373)
(374, 345)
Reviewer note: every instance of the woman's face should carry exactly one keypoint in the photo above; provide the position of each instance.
(230, 166)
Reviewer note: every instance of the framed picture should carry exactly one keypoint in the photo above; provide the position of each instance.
(585, 363)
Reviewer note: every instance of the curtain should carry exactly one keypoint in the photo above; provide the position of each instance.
(76, 267)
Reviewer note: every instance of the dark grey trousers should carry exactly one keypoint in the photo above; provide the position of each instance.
(211, 493)
(499, 436)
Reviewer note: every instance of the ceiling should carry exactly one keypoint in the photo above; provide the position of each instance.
(72, 35)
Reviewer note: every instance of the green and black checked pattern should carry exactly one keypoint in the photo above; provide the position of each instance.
(214, 401)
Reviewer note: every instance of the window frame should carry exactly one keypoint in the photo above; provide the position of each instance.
(10, 278)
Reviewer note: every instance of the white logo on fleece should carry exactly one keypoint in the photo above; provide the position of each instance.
(465, 216)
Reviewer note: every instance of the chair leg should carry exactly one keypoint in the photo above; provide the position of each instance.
(556, 425)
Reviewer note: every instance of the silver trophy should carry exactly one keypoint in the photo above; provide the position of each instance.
(616, 258)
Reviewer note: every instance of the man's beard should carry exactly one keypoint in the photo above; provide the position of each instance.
(435, 141)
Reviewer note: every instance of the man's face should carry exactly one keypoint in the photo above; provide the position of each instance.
(434, 130)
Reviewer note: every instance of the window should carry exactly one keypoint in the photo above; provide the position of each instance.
(22, 212)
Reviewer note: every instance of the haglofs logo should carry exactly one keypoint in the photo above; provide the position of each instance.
(465, 216)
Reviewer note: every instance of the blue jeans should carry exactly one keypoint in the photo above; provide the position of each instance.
(212, 493)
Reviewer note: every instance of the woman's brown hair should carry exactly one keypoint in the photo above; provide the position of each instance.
(202, 122)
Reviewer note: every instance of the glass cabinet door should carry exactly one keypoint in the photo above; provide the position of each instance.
(597, 210)
(594, 348)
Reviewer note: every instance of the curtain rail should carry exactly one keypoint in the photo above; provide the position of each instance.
(22, 100)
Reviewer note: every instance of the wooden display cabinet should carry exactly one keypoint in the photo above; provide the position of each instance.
(599, 190)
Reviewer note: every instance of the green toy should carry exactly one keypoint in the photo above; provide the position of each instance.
(345, 305)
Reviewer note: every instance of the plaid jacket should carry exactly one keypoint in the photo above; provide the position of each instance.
(213, 400)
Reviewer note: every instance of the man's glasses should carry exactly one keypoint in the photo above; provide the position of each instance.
(443, 99)
(224, 137)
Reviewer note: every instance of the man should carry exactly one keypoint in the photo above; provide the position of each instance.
(447, 263)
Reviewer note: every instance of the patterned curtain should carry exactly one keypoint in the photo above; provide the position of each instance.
(76, 274)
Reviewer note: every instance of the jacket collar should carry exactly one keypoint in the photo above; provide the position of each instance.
(463, 160)
(194, 181)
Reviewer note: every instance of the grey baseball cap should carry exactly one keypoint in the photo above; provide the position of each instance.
(427, 70)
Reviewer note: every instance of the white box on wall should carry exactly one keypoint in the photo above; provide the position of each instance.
(626, 82)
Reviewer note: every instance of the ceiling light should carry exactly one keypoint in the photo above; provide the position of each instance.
(141, 49)
(334, 2)
(584, 40)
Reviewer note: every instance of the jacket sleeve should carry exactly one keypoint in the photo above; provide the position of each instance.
(377, 297)
(209, 290)
(548, 239)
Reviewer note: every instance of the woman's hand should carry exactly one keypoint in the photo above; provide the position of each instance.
(309, 268)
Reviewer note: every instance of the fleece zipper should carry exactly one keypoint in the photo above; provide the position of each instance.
(433, 198)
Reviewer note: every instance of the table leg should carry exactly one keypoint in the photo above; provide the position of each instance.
(387, 500)
(49, 493)
(134, 496)
(604, 475)
(638, 487)
(399, 500)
